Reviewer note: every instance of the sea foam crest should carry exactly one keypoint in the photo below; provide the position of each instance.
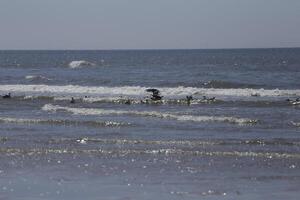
(169, 151)
(295, 123)
(92, 111)
(36, 77)
(80, 63)
(168, 92)
(60, 122)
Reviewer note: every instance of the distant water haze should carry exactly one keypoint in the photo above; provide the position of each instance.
(156, 24)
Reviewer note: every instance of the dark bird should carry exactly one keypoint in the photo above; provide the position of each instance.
(72, 100)
(212, 99)
(208, 99)
(7, 96)
(128, 102)
(154, 91)
(155, 94)
(189, 99)
(156, 97)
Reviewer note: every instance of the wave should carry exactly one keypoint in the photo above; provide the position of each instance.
(164, 152)
(36, 78)
(117, 100)
(297, 124)
(138, 100)
(36, 97)
(138, 91)
(228, 84)
(92, 111)
(61, 122)
(80, 63)
(126, 100)
(179, 101)
(185, 143)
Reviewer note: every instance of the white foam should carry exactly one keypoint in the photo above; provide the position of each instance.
(57, 121)
(36, 77)
(167, 92)
(92, 111)
(166, 152)
(80, 63)
(19, 120)
(90, 99)
(296, 124)
(30, 77)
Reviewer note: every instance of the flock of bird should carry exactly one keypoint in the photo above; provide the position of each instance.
(156, 97)
(7, 96)
(294, 102)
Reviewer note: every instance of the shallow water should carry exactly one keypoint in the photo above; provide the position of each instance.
(114, 144)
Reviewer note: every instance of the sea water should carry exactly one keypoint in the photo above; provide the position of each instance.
(115, 143)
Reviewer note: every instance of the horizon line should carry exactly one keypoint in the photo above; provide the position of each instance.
(151, 49)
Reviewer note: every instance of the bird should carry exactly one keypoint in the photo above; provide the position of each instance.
(155, 94)
(189, 99)
(72, 100)
(7, 96)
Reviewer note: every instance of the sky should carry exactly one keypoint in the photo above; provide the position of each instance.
(149, 24)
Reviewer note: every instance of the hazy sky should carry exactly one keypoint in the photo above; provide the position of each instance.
(148, 24)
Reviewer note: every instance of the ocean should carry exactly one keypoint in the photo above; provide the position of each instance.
(237, 138)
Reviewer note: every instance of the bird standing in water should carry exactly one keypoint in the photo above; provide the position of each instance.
(189, 99)
(7, 96)
(72, 100)
(155, 94)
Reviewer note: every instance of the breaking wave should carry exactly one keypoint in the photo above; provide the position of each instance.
(186, 143)
(167, 92)
(37, 78)
(126, 100)
(92, 111)
(61, 122)
(80, 63)
(164, 152)
(297, 124)
(228, 84)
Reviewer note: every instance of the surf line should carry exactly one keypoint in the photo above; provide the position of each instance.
(102, 91)
(93, 111)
